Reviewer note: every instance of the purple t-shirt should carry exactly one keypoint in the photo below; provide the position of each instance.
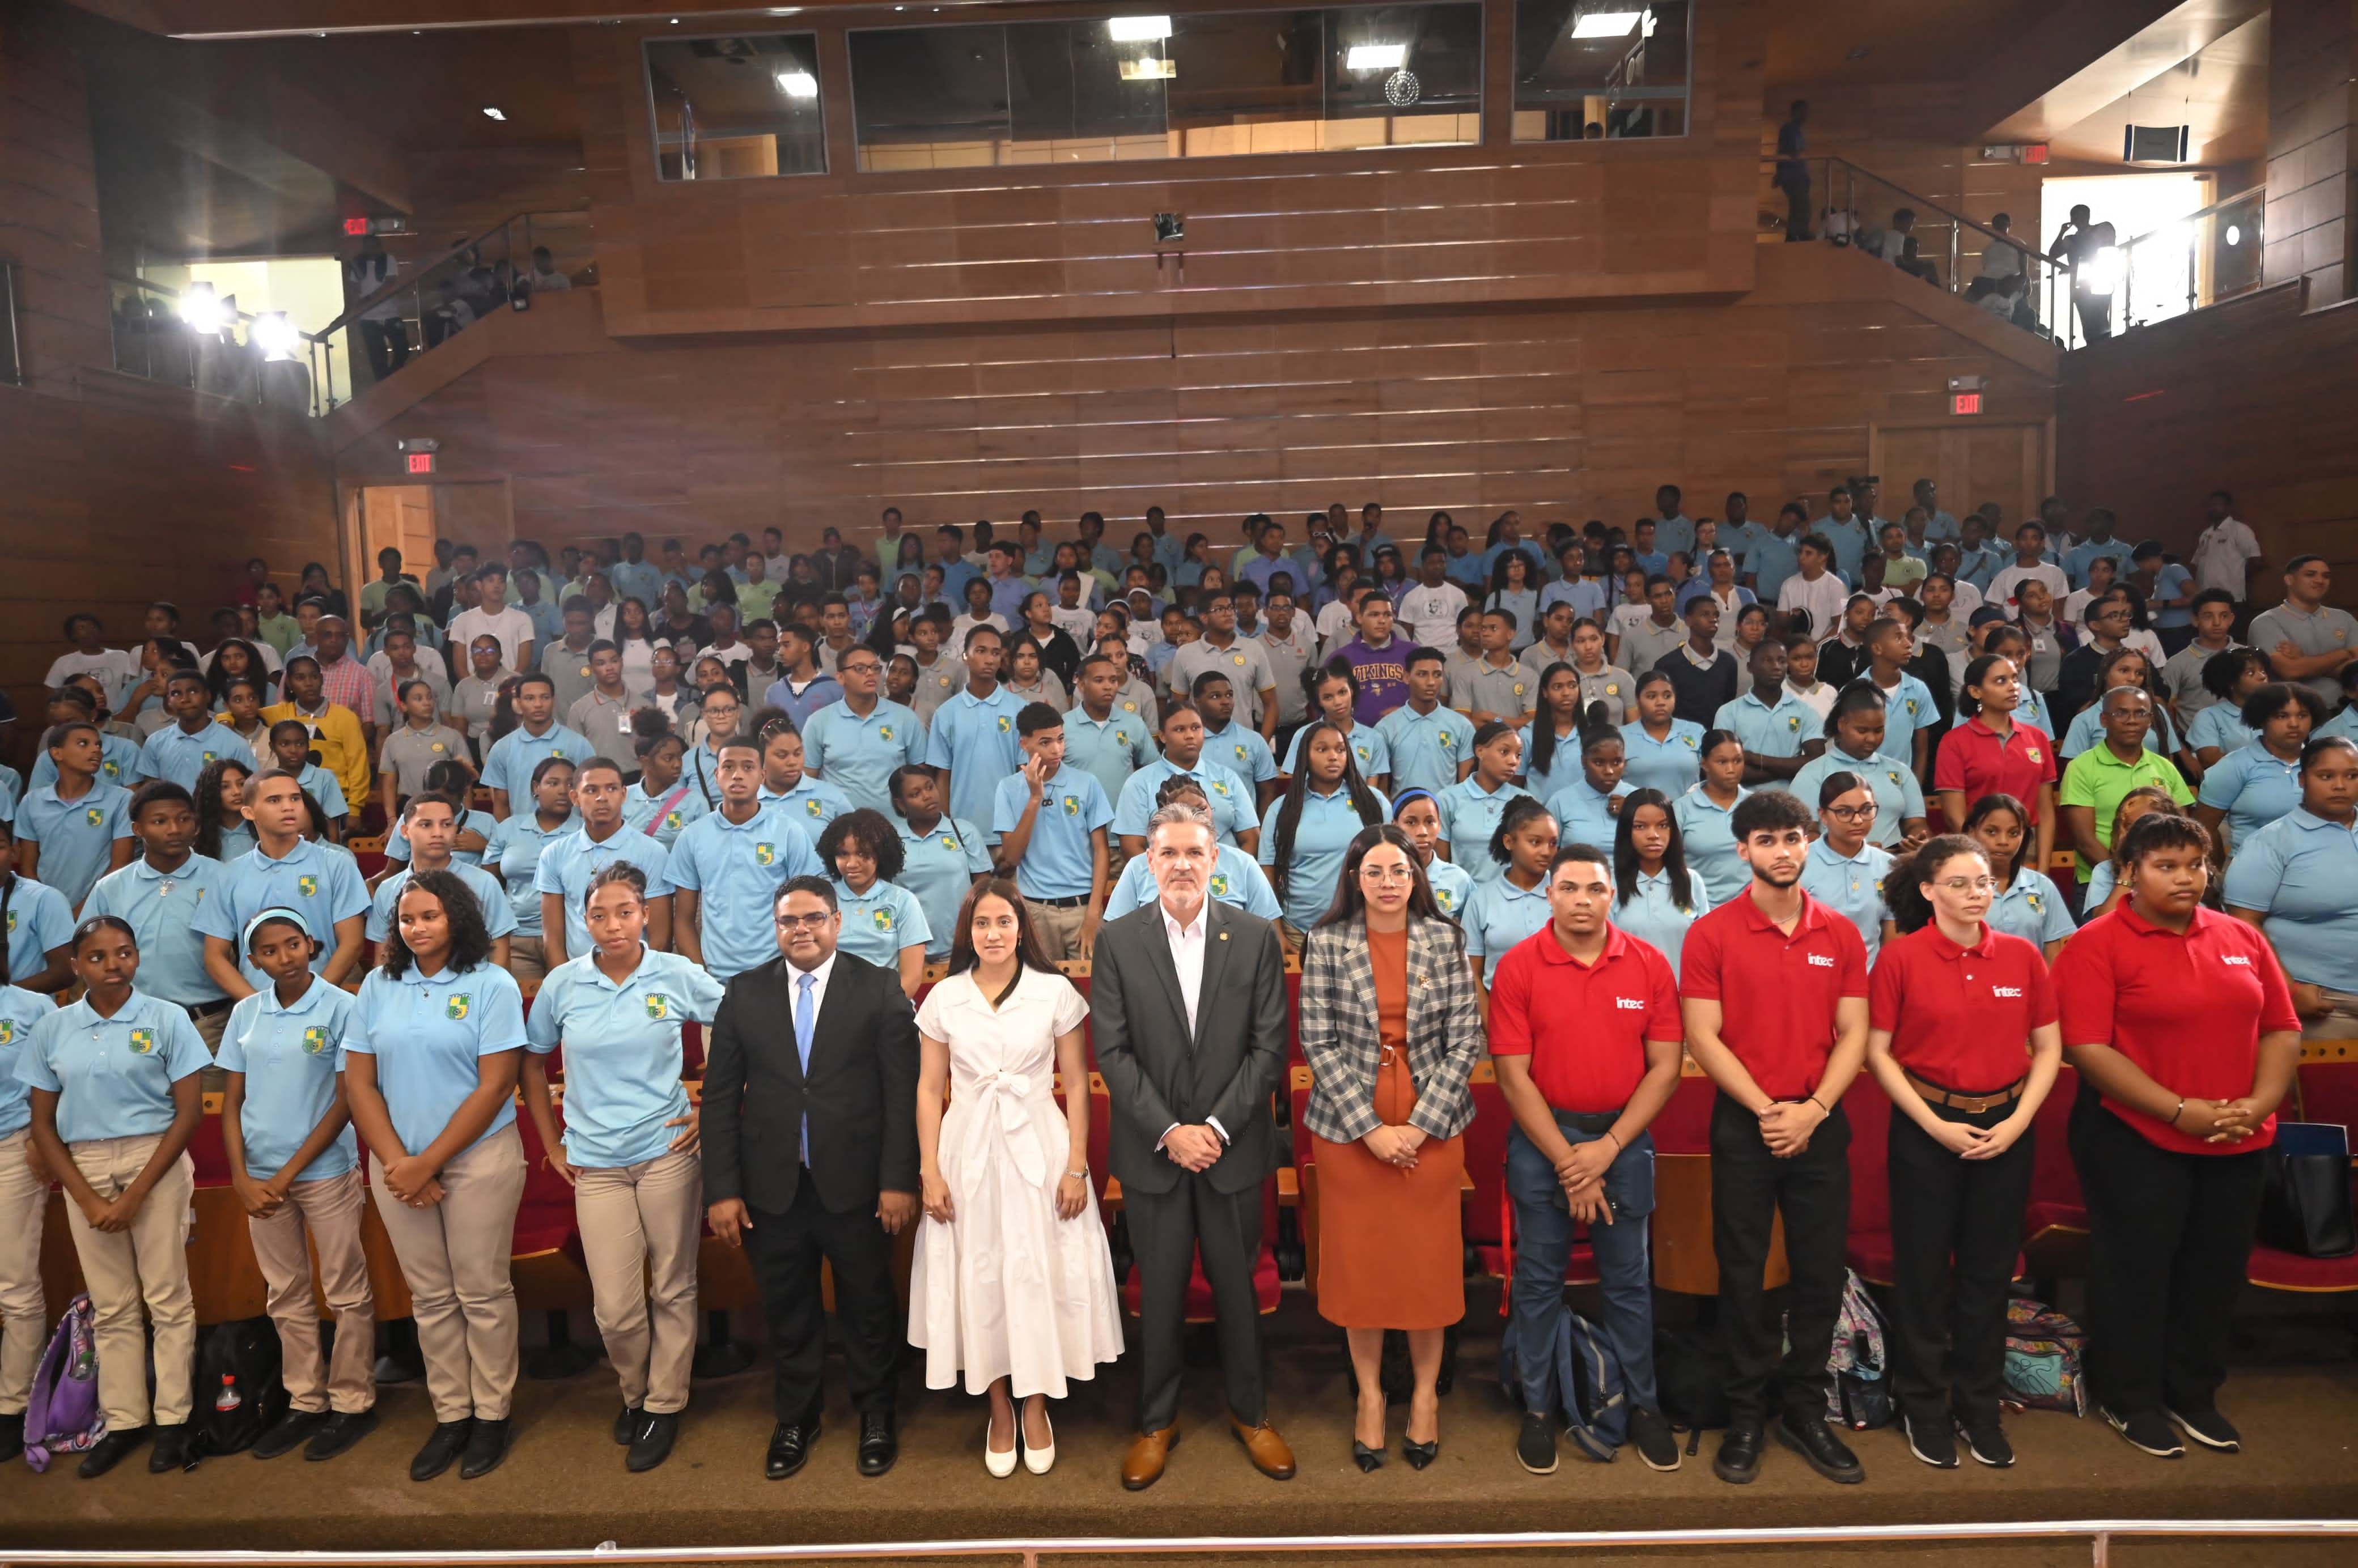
(1383, 675)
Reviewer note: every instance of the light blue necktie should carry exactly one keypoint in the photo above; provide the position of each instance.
(805, 1022)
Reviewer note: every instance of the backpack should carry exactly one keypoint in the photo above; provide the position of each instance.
(62, 1414)
(1859, 1396)
(2043, 1350)
(1589, 1392)
(1691, 1371)
(239, 1395)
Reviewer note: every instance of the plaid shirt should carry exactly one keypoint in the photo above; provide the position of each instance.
(348, 682)
(1340, 1039)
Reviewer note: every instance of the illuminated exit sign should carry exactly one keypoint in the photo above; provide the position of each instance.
(1959, 403)
(423, 463)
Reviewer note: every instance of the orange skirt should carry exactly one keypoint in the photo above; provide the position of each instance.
(1391, 1250)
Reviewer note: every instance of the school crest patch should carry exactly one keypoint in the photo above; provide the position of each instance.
(1005, 724)
(2031, 754)
(881, 918)
(315, 1039)
(8, 1032)
(1793, 723)
(884, 731)
(111, 769)
(143, 1041)
(765, 854)
(1219, 884)
(1446, 899)
(671, 819)
(814, 807)
(93, 816)
(658, 1006)
(307, 885)
(458, 1006)
(1072, 805)
(948, 842)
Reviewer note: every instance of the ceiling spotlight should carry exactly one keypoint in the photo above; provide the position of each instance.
(1376, 57)
(1606, 24)
(798, 84)
(491, 113)
(1138, 29)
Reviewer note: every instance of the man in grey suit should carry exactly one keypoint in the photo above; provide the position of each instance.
(1188, 1010)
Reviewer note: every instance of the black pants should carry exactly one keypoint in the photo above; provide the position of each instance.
(784, 1250)
(1796, 186)
(1166, 1231)
(387, 343)
(2170, 1236)
(1750, 1186)
(1947, 1320)
(2095, 314)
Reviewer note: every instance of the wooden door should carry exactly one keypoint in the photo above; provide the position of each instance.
(400, 516)
(475, 513)
(1972, 462)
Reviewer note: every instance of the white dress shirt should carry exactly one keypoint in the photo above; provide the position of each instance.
(1187, 957)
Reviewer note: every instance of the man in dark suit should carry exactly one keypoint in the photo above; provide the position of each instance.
(1188, 1016)
(810, 1151)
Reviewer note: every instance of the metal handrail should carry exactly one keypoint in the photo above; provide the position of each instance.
(320, 346)
(2238, 200)
(394, 286)
(148, 287)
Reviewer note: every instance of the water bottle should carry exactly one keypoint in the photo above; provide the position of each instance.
(228, 1399)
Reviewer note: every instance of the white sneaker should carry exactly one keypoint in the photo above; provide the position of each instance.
(1038, 1460)
(1001, 1465)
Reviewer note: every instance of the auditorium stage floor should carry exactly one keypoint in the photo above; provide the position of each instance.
(565, 1485)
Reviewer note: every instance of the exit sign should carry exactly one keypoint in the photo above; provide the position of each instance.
(1962, 403)
(423, 463)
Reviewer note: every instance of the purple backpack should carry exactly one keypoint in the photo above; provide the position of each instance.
(62, 1416)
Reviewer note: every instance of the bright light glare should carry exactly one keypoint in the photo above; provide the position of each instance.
(2234, 234)
(491, 113)
(1138, 29)
(2104, 270)
(1606, 24)
(1376, 57)
(202, 308)
(274, 333)
(798, 84)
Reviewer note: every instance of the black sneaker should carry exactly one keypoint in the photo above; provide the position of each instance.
(441, 1451)
(2209, 1429)
(338, 1433)
(1931, 1441)
(651, 1444)
(1810, 1437)
(1988, 1443)
(110, 1450)
(487, 1445)
(1535, 1446)
(292, 1431)
(12, 1435)
(1739, 1463)
(627, 1424)
(1652, 1438)
(171, 1449)
(2146, 1431)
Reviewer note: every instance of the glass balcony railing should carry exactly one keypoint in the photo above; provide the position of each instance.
(197, 338)
(423, 305)
(2199, 260)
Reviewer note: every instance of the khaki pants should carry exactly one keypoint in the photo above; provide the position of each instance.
(1059, 929)
(641, 1226)
(210, 1027)
(454, 1255)
(526, 959)
(331, 1209)
(2341, 1023)
(1289, 938)
(24, 1312)
(147, 1263)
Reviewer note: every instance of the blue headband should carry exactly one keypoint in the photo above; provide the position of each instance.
(281, 912)
(1401, 801)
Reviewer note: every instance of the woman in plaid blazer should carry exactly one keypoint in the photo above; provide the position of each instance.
(1391, 1033)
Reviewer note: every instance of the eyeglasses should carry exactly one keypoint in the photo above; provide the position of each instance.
(1969, 884)
(1387, 873)
(858, 669)
(1852, 813)
(803, 922)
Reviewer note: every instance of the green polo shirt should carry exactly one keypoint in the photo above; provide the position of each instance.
(2097, 778)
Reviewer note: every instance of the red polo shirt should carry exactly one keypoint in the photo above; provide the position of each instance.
(2187, 1009)
(1777, 992)
(1960, 1017)
(1975, 759)
(1584, 1026)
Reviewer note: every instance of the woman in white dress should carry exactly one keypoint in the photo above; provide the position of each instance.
(1014, 1282)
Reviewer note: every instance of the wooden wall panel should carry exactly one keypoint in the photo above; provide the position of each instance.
(48, 201)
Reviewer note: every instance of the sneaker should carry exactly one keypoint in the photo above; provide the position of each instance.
(2148, 1431)
(1810, 1436)
(1931, 1441)
(1988, 1443)
(2209, 1429)
(1652, 1438)
(338, 1433)
(12, 1435)
(628, 1424)
(1535, 1447)
(290, 1433)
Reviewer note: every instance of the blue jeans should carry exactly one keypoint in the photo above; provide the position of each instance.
(1544, 1238)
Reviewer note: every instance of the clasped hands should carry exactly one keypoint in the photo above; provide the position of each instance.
(1395, 1146)
(1582, 1175)
(1196, 1148)
(2219, 1121)
(1786, 1125)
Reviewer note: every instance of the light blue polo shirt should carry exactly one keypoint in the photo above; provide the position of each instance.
(2254, 787)
(736, 868)
(1584, 816)
(397, 843)
(173, 753)
(1469, 816)
(1906, 707)
(320, 786)
(939, 867)
(322, 885)
(1898, 795)
(1672, 764)
(491, 894)
(1115, 748)
(2031, 709)
(1369, 750)
(516, 753)
(857, 755)
(2299, 872)
(112, 1077)
(20, 1010)
(1499, 915)
(290, 1057)
(427, 1033)
(2221, 725)
(1057, 862)
(38, 921)
(1770, 731)
(975, 738)
(1586, 597)
(1563, 768)
(1240, 751)
(1707, 834)
(1324, 831)
(1425, 748)
(2077, 563)
(77, 837)
(1237, 881)
(623, 1054)
(880, 923)
(812, 802)
(567, 864)
(1233, 811)
(2032, 909)
(513, 856)
(687, 804)
(160, 907)
(12, 790)
(118, 762)
(1854, 887)
(1770, 559)
(1850, 541)
(1453, 890)
(1649, 911)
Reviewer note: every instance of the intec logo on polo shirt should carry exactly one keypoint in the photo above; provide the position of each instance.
(1820, 961)
(1629, 1004)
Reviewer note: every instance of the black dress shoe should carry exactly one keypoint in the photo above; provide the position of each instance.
(651, 1444)
(293, 1430)
(627, 1425)
(1740, 1455)
(338, 1433)
(1368, 1459)
(486, 1446)
(880, 1442)
(12, 1435)
(1420, 1455)
(790, 1446)
(109, 1451)
(171, 1449)
(441, 1451)
(1810, 1437)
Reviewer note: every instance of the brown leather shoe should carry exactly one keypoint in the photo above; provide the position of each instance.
(1270, 1454)
(1141, 1465)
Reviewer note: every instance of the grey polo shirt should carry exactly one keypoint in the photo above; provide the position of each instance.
(1244, 661)
(1287, 658)
(1643, 645)
(1484, 687)
(2324, 629)
(408, 753)
(606, 724)
(2182, 678)
(570, 670)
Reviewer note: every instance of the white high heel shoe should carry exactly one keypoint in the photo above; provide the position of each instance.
(1001, 1465)
(1039, 1460)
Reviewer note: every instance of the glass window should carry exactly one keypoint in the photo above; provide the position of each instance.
(1597, 70)
(736, 108)
(1208, 85)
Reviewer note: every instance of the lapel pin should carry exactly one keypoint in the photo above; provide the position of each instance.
(1224, 936)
